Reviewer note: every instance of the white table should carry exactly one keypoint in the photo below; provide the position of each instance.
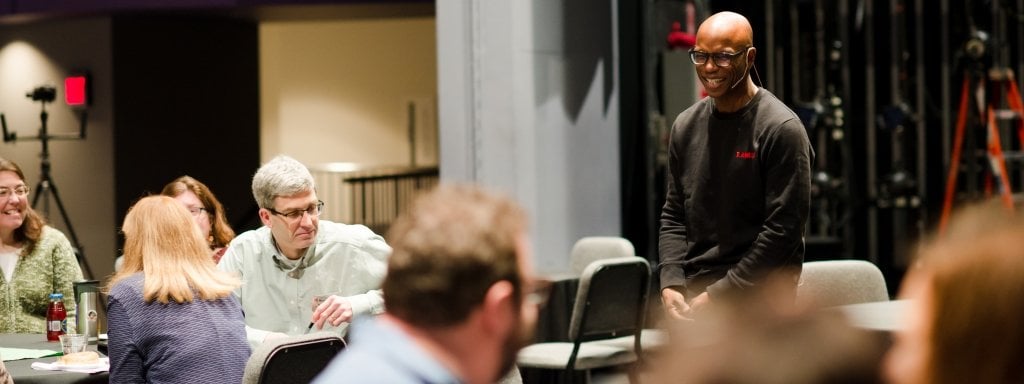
(21, 370)
(880, 316)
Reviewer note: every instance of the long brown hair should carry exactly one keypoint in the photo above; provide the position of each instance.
(31, 228)
(163, 242)
(220, 231)
(975, 277)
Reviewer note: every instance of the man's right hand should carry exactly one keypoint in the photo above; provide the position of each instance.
(675, 304)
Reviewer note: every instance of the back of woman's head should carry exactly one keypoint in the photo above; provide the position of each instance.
(164, 242)
(973, 282)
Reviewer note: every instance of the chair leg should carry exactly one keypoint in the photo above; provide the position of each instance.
(571, 376)
(633, 373)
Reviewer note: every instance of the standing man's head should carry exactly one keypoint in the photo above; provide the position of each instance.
(461, 271)
(285, 192)
(723, 56)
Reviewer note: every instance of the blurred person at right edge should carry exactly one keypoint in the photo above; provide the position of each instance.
(460, 292)
(966, 296)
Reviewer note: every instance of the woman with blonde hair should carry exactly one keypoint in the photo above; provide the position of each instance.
(169, 301)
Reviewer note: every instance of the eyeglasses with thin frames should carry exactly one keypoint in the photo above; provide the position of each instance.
(291, 216)
(196, 211)
(20, 191)
(721, 59)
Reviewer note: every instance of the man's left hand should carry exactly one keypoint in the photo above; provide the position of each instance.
(335, 310)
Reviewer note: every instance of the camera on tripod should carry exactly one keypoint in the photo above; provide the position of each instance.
(44, 93)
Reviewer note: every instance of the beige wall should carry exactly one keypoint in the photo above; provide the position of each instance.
(334, 91)
(83, 170)
(338, 91)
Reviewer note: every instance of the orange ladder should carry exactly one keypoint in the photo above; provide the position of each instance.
(994, 148)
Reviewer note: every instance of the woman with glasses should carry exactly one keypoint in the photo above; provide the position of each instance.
(35, 259)
(205, 209)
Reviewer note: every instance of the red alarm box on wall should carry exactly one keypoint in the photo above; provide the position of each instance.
(76, 90)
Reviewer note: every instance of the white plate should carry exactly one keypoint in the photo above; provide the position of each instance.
(98, 365)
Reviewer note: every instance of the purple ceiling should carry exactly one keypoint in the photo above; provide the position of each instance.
(34, 9)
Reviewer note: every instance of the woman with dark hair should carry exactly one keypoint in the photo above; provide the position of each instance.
(35, 259)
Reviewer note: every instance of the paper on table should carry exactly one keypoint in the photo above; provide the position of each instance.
(102, 366)
(9, 354)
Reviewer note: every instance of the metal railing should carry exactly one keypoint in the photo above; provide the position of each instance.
(372, 197)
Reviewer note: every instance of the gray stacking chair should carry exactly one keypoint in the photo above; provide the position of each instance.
(610, 302)
(592, 248)
(296, 359)
(831, 283)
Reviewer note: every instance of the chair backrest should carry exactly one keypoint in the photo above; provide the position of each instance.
(591, 248)
(296, 359)
(830, 283)
(611, 299)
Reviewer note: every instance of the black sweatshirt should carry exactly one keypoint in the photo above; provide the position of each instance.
(738, 196)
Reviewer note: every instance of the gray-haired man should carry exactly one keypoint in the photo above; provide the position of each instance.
(298, 271)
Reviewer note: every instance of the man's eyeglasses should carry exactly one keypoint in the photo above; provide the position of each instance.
(312, 211)
(537, 292)
(196, 211)
(20, 191)
(721, 59)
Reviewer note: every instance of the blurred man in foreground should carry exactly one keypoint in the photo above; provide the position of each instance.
(460, 294)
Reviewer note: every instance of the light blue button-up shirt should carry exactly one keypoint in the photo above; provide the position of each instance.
(381, 353)
(345, 260)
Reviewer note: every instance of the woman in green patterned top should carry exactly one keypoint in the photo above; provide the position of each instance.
(35, 259)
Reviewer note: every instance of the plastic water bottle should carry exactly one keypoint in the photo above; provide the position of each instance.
(56, 317)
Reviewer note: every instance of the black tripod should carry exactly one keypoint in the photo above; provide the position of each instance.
(46, 187)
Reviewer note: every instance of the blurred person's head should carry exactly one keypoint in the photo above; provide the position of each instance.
(285, 192)
(19, 223)
(163, 242)
(204, 207)
(751, 340)
(461, 260)
(965, 293)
